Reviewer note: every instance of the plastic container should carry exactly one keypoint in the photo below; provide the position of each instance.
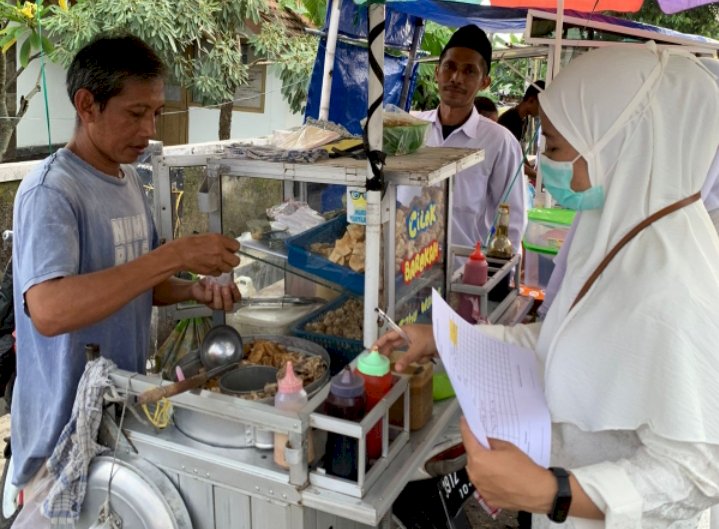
(347, 400)
(547, 228)
(290, 396)
(475, 273)
(420, 395)
(538, 266)
(373, 367)
(276, 319)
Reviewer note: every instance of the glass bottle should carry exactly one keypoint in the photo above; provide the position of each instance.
(501, 247)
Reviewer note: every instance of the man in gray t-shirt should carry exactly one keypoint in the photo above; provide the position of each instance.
(87, 265)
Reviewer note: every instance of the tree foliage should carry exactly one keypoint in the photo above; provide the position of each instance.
(291, 57)
(20, 23)
(702, 20)
(198, 40)
(314, 10)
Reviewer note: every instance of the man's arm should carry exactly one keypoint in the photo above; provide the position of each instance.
(68, 303)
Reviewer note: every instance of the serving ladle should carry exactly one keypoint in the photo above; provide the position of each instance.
(220, 351)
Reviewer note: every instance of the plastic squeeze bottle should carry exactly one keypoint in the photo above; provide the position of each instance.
(347, 400)
(373, 367)
(475, 273)
(291, 396)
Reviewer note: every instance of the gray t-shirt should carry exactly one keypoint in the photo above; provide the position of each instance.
(71, 219)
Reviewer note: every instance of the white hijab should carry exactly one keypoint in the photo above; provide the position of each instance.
(710, 191)
(642, 347)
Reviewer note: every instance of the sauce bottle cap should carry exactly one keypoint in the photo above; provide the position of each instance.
(290, 383)
(347, 384)
(373, 364)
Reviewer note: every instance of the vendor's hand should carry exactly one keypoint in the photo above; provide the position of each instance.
(208, 254)
(422, 349)
(505, 476)
(215, 296)
(530, 171)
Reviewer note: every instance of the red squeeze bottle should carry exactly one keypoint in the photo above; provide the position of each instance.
(475, 273)
(373, 367)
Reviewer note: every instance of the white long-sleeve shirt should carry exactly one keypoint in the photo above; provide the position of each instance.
(479, 190)
(637, 478)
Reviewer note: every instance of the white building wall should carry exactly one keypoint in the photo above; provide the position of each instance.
(32, 128)
(203, 123)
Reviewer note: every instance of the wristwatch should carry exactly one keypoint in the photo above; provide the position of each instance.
(563, 498)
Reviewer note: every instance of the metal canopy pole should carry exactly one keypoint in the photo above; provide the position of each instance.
(558, 36)
(375, 180)
(329, 64)
(419, 24)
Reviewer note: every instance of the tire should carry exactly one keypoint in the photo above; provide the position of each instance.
(8, 507)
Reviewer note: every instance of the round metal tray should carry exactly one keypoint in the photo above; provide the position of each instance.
(141, 494)
(221, 433)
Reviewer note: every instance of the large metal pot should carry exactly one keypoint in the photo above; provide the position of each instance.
(218, 432)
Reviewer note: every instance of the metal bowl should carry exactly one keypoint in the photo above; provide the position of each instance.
(221, 345)
(247, 379)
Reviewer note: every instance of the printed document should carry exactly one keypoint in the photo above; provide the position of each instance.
(498, 384)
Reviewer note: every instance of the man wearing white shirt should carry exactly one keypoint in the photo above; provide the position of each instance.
(463, 71)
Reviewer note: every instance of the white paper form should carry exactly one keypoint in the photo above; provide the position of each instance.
(497, 384)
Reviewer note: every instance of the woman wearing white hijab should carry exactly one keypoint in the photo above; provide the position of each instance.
(630, 357)
(710, 190)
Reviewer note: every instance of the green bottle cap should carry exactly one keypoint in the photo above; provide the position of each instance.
(373, 364)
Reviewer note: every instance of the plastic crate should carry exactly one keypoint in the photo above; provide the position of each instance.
(341, 350)
(300, 256)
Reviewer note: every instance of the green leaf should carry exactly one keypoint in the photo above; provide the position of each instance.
(25, 53)
(47, 46)
(34, 39)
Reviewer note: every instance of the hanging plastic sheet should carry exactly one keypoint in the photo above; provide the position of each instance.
(348, 103)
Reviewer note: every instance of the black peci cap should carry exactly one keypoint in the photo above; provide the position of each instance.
(472, 37)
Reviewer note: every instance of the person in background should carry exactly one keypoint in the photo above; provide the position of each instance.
(486, 107)
(630, 386)
(516, 119)
(87, 264)
(462, 72)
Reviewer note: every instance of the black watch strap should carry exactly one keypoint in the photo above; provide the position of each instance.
(563, 498)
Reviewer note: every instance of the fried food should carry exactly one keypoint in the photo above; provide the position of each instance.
(308, 367)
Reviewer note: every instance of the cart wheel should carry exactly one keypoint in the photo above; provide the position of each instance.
(9, 509)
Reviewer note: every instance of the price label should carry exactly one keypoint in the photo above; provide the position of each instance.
(455, 489)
